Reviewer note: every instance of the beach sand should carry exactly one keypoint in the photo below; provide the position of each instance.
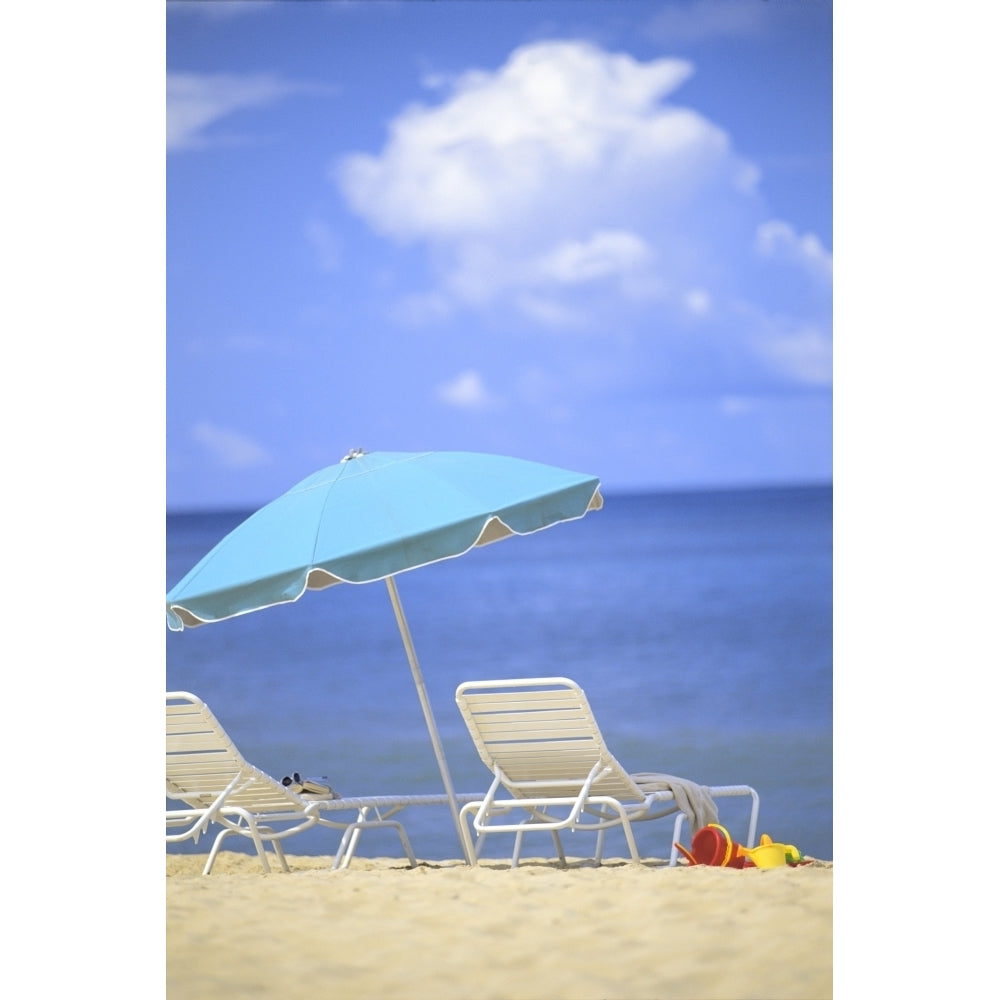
(444, 931)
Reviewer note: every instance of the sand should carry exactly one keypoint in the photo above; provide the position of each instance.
(443, 931)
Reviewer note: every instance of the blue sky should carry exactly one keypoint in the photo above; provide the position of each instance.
(597, 235)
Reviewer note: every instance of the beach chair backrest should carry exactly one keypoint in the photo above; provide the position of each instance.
(542, 735)
(203, 763)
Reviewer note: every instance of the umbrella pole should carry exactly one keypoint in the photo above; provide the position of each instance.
(418, 679)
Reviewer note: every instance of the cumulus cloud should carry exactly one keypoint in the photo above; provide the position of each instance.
(467, 391)
(232, 449)
(779, 241)
(197, 101)
(545, 174)
(487, 156)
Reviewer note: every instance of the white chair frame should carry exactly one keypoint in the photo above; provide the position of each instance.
(539, 738)
(220, 788)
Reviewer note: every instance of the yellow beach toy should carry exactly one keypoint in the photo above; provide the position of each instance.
(771, 855)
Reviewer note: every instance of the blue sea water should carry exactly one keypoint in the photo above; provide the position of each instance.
(698, 623)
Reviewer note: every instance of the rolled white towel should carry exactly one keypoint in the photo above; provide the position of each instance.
(692, 799)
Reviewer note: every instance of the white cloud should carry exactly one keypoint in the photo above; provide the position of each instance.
(196, 101)
(549, 312)
(697, 301)
(467, 391)
(779, 241)
(563, 167)
(232, 449)
(486, 158)
(806, 355)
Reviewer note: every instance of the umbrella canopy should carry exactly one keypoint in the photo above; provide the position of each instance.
(369, 517)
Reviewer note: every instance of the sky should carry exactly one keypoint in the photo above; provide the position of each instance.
(592, 234)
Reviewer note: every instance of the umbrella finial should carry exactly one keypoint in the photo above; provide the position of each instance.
(354, 453)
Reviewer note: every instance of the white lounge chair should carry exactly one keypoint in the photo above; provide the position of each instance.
(539, 738)
(218, 786)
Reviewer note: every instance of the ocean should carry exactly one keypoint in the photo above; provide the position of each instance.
(698, 623)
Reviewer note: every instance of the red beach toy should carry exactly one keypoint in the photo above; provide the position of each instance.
(712, 845)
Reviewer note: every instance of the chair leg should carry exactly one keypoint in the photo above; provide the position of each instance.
(214, 853)
(518, 840)
(279, 851)
(754, 811)
(259, 844)
(251, 830)
(676, 839)
(405, 841)
(630, 838)
(559, 847)
(516, 856)
(349, 841)
(471, 852)
(207, 870)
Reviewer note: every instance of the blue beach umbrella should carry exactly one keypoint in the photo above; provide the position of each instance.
(369, 517)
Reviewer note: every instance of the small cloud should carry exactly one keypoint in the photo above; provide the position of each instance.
(736, 406)
(232, 449)
(467, 391)
(806, 355)
(548, 312)
(697, 301)
(434, 80)
(746, 177)
(197, 101)
(779, 241)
